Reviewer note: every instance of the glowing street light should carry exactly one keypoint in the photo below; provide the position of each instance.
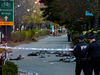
(35, 2)
(18, 5)
(28, 9)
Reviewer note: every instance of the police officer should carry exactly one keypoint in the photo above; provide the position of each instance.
(68, 34)
(81, 61)
(93, 56)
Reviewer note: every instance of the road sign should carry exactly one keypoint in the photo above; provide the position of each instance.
(3, 23)
(6, 12)
(88, 13)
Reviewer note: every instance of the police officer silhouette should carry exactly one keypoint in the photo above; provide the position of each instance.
(81, 61)
(93, 56)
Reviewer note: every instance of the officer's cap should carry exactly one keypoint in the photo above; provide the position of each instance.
(91, 37)
(81, 37)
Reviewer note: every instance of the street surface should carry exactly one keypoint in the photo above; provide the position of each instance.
(49, 65)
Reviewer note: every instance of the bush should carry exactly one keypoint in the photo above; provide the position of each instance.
(13, 35)
(75, 39)
(22, 35)
(42, 33)
(9, 69)
(73, 32)
(18, 36)
(33, 33)
(29, 34)
(74, 35)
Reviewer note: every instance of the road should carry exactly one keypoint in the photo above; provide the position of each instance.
(48, 65)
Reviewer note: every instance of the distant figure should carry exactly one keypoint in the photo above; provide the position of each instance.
(68, 34)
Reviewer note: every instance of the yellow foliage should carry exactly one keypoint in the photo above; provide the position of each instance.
(84, 32)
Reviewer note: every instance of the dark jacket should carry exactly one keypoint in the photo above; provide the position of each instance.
(79, 47)
(93, 50)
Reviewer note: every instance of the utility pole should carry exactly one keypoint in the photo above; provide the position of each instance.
(1, 65)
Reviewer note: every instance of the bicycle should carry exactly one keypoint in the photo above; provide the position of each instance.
(5, 4)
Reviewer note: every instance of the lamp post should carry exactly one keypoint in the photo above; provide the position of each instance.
(19, 23)
(35, 2)
(28, 10)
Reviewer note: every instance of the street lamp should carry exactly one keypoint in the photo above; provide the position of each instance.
(18, 5)
(35, 2)
(28, 9)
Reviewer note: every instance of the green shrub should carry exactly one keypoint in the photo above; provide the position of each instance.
(75, 36)
(17, 36)
(73, 32)
(9, 69)
(13, 35)
(48, 32)
(37, 34)
(21, 35)
(33, 33)
(42, 33)
(36, 30)
(29, 34)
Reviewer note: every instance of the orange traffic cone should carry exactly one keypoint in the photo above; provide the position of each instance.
(57, 34)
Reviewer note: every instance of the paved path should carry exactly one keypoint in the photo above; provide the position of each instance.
(48, 65)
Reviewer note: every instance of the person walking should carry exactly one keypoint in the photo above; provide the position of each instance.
(81, 61)
(68, 34)
(93, 56)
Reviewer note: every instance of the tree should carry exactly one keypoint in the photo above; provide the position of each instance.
(64, 11)
(34, 16)
(95, 10)
(23, 10)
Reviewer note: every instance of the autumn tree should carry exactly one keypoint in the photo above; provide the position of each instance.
(33, 17)
(24, 11)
